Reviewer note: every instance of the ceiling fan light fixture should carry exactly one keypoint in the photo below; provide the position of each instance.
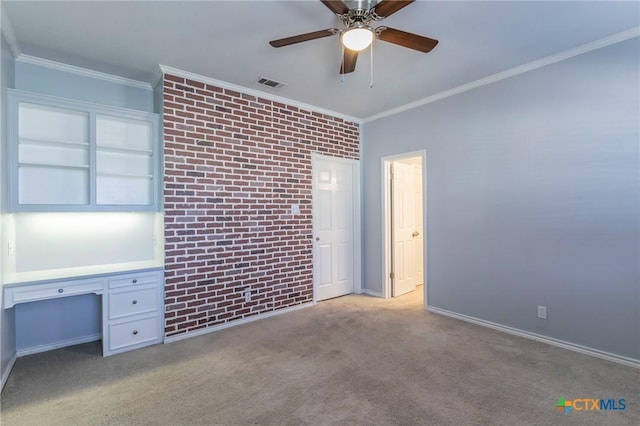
(357, 34)
(357, 37)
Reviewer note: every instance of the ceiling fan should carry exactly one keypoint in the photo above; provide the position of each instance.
(358, 33)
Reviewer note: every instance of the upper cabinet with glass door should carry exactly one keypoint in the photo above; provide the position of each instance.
(67, 155)
(124, 161)
(53, 155)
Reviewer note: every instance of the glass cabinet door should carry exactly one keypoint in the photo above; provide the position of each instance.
(53, 155)
(70, 155)
(124, 161)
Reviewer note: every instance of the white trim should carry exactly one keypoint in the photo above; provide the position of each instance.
(7, 371)
(60, 344)
(372, 293)
(7, 30)
(425, 231)
(27, 59)
(630, 362)
(357, 229)
(252, 92)
(386, 228)
(359, 215)
(386, 219)
(233, 323)
(588, 47)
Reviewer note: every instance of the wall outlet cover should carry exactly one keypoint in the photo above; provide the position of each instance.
(542, 312)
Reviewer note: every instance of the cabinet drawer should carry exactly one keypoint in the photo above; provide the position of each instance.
(133, 302)
(134, 333)
(135, 280)
(34, 292)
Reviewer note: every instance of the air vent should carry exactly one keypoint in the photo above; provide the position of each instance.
(270, 83)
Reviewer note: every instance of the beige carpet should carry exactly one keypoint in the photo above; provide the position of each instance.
(348, 361)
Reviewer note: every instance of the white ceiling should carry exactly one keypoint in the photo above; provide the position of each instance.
(228, 41)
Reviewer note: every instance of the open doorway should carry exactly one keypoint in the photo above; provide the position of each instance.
(404, 218)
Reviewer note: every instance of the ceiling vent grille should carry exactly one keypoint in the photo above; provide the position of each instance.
(263, 81)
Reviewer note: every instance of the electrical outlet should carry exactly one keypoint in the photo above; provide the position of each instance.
(247, 294)
(542, 312)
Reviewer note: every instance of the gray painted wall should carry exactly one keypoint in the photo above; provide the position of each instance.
(532, 198)
(158, 108)
(7, 316)
(158, 99)
(39, 79)
(48, 322)
(57, 320)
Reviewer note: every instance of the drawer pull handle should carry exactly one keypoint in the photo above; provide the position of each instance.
(135, 332)
(61, 290)
(134, 280)
(135, 302)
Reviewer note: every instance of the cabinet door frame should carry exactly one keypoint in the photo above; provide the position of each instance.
(15, 97)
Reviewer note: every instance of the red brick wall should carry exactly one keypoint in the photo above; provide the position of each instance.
(233, 166)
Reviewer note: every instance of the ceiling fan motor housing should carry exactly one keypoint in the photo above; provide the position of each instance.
(355, 17)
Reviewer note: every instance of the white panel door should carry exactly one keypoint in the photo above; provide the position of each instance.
(404, 229)
(333, 226)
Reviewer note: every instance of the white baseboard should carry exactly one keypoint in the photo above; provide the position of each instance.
(7, 371)
(371, 292)
(60, 344)
(630, 362)
(233, 323)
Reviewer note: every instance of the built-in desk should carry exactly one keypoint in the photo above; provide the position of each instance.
(132, 305)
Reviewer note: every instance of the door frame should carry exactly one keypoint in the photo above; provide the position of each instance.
(386, 220)
(357, 220)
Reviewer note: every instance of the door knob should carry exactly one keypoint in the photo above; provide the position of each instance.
(317, 238)
(415, 234)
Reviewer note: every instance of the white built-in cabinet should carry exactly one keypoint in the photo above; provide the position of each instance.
(132, 305)
(68, 155)
(132, 311)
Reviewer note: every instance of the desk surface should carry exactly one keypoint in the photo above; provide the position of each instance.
(50, 289)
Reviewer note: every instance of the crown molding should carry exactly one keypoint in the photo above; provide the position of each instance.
(248, 91)
(576, 51)
(7, 30)
(82, 71)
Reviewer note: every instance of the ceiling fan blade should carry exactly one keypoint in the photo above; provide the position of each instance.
(389, 7)
(410, 40)
(336, 7)
(348, 61)
(303, 37)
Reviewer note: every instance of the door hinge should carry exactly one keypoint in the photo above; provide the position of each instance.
(392, 275)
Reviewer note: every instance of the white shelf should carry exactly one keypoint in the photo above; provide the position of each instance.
(117, 149)
(125, 175)
(50, 142)
(53, 166)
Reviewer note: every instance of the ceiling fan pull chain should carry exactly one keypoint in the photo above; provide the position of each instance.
(371, 56)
